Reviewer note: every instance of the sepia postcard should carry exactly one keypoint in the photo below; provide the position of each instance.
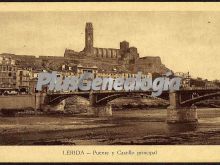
(109, 82)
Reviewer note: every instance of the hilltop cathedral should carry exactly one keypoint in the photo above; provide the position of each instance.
(125, 55)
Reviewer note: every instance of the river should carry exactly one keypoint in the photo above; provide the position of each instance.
(127, 127)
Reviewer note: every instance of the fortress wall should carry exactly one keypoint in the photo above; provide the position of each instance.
(150, 59)
(150, 64)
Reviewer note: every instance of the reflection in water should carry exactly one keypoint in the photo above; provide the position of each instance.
(180, 127)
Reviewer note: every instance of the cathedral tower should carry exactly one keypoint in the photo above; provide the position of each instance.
(88, 37)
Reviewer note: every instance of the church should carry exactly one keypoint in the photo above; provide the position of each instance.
(124, 53)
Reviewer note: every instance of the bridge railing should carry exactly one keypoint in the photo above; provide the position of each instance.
(200, 88)
(96, 91)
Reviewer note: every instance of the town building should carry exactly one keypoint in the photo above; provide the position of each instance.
(79, 69)
(23, 77)
(8, 71)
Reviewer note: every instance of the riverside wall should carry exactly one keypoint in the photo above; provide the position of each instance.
(34, 101)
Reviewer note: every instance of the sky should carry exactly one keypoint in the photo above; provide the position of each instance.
(185, 41)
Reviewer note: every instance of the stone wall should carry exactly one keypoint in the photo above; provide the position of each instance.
(21, 101)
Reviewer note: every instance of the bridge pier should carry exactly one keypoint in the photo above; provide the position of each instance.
(99, 110)
(57, 107)
(178, 114)
(102, 111)
(181, 115)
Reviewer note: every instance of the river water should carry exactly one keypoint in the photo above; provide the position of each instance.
(125, 127)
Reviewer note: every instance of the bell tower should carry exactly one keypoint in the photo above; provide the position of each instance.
(89, 37)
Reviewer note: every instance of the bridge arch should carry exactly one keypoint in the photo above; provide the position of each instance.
(199, 98)
(105, 100)
(56, 99)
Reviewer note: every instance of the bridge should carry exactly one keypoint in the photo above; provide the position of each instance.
(181, 109)
(98, 98)
(181, 103)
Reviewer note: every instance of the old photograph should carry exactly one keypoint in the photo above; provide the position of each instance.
(109, 78)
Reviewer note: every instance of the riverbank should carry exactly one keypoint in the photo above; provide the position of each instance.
(124, 127)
